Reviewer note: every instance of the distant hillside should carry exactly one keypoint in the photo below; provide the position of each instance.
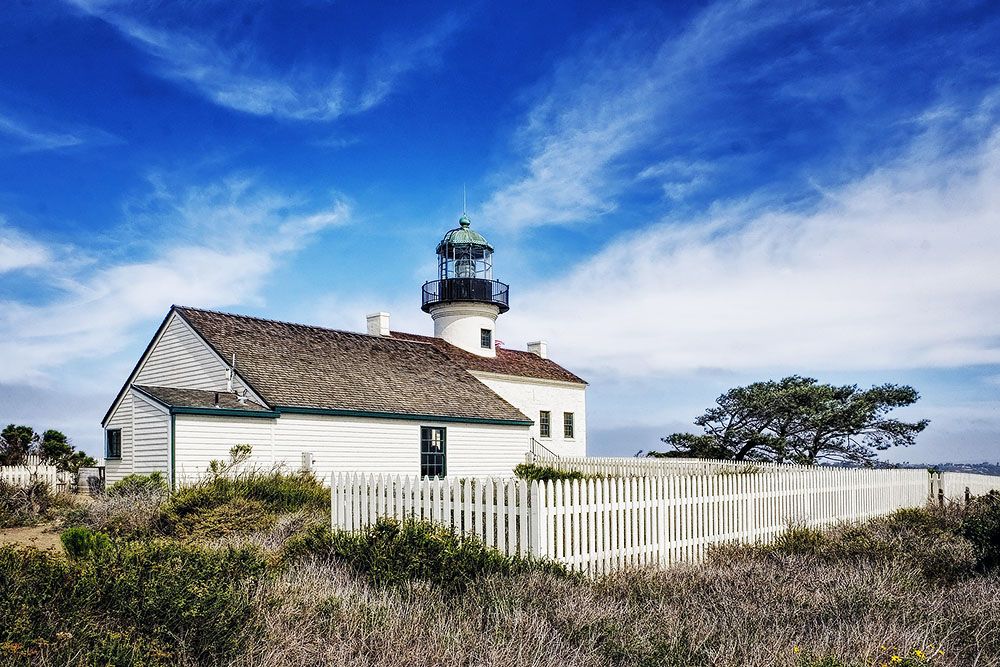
(983, 468)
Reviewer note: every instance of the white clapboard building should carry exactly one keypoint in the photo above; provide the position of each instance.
(453, 404)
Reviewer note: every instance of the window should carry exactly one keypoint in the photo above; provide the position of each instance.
(567, 424)
(545, 424)
(432, 452)
(113, 444)
(486, 338)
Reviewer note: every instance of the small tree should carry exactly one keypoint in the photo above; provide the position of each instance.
(798, 420)
(53, 448)
(16, 443)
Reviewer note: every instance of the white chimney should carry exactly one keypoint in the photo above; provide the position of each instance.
(378, 324)
(539, 347)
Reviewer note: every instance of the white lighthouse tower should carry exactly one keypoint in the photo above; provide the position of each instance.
(465, 300)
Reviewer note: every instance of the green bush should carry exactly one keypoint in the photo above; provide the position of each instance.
(151, 484)
(233, 517)
(981, 526)
(392, 553)
(137, 603)
(81, 542)
(245, 503)
(532, 472)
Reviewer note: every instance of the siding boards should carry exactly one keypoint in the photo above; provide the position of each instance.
(477, 450)
(344, 444)
(151, 438)
(199, 439)
(530, 395)
(181, 359)
(121, 418)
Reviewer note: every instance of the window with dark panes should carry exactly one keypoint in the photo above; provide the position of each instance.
(486, 338)
(545, 424)
(113, 444)
(433, 461)
(567, 424)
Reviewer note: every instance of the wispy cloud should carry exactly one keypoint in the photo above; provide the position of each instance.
(598, 109)
(29, 136)
(17, 251)
(235, 73)
(746, 88)
(215, 246)
(896, 269)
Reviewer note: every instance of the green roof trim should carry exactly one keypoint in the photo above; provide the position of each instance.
(290, 409)
(225, 412)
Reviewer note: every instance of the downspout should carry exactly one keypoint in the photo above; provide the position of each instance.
(173, 464)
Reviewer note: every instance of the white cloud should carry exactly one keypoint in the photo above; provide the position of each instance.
(212, 247)
(895, 270)
(234, 74)
(17, 251)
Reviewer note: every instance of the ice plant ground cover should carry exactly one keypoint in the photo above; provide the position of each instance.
(248, 573)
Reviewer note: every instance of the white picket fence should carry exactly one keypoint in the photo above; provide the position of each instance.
(634, 466)
(34, 471)
(958, 486)
(599, 525)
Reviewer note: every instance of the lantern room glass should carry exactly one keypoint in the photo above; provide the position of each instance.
(465, 260)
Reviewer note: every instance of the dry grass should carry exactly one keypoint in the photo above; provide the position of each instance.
(751, 614)
(129, 513)
(851, 596)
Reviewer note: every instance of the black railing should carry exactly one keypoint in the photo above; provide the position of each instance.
(466, 289)
(540, 451)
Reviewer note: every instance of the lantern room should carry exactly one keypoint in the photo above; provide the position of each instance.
(464, 253)
(465, 271)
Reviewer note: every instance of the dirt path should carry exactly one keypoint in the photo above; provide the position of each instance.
(41, 537)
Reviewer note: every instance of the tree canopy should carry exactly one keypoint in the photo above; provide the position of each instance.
(17, 443)
(798, 420)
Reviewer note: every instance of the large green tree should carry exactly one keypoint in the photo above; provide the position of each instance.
(798, 420)
(52, 447)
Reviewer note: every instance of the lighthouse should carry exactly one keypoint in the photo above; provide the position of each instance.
(465, 300)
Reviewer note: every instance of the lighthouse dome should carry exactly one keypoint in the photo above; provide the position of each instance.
(463, 235)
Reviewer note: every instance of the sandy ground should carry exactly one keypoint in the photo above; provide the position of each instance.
(36, 536)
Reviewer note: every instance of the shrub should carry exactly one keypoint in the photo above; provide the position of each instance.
(140, 603)
(82, 542)
(392, 553)
(235, 516)
(532, 472)
(981, 526)
(927, 538)
(132, 485)
(29, 505)
(131, 514)
(244, 503)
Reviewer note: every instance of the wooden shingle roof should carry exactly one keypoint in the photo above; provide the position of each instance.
(299, 366)
(507, 362)
(173, 397)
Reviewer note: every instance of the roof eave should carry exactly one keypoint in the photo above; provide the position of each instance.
(374, 414)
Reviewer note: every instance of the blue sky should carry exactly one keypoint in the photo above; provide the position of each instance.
(683, 197)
